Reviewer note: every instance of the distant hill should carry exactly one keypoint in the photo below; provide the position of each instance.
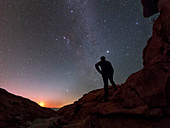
(55, 109)
(17, 111)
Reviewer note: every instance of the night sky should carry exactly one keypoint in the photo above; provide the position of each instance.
(48, 48)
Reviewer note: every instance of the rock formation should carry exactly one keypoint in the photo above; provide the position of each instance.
(149, 7)
(17, 112)
(142, 101)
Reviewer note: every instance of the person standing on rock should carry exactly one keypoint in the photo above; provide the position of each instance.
(106, 70)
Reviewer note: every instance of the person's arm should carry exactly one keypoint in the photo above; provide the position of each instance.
(97, 67)
(111, 67)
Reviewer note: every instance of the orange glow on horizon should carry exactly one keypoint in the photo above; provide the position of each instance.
(42, 104)
(40, 99)
(48, 105)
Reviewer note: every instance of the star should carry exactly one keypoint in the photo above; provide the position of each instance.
(68, 73)
(68, 41)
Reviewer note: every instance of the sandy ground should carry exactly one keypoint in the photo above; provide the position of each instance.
(42, 123)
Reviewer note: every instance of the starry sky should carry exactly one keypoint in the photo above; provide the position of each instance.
(48, 48)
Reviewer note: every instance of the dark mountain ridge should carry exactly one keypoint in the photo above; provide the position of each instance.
(16, 111)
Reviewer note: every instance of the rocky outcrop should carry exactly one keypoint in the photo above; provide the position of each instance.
(17, 112)
(158, 47)
(142, 101)
(149, 7)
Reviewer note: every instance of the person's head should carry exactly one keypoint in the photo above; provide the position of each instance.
(102, 58)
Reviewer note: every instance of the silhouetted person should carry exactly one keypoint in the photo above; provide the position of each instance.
(106, 70)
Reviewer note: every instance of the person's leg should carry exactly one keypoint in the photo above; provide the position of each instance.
(112, 82)
(105, 80)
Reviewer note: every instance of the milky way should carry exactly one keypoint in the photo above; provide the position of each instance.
(49, 48)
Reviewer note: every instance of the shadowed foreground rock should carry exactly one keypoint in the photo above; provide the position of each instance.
(149, 7)
(143, 101)
(17, 112)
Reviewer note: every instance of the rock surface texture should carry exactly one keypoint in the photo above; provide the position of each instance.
(143, 101)
(18, 112)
